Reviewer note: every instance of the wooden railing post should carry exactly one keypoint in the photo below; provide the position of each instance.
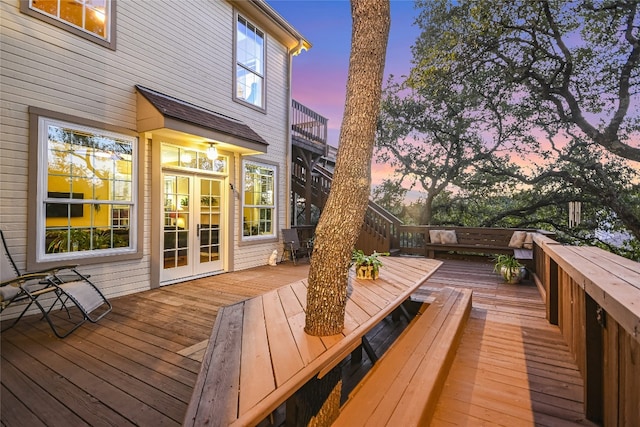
(551, 280)
(595, 318)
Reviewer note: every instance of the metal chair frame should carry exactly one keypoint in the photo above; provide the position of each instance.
(292, 245)
(70, 286)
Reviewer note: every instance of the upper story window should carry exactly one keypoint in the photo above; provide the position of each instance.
(91, 19)
(249, 56)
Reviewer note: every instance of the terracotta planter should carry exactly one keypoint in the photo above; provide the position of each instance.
(366, 272)
(513, 275)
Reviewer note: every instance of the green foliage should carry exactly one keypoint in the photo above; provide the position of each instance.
(571, 66)
(390, 195)
(507, 262)
(84, 239)
(360, 259)
(505, 114)
(509, 268)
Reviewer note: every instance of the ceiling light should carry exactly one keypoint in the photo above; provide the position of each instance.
(212, 152)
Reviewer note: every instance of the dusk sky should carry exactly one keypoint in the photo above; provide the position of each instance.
(320, 74)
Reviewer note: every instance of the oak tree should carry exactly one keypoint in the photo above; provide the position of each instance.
(343, 214)
(573, 66)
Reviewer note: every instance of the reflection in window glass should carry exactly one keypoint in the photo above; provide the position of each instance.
(91, 16)
(179, 157)
(249, 63)
(258, 200)
(89, 199)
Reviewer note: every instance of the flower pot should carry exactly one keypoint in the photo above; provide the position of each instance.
(513, 275)
(366, 272)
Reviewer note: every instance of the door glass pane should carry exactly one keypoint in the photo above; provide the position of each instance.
(210, 200)
(176, 221)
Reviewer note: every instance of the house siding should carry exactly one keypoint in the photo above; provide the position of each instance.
(182, 49)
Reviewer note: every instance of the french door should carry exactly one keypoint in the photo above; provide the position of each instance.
(193, 220)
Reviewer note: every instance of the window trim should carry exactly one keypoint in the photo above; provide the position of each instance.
(36, 163)
(275, 219)
(109, 42)
(261, 108)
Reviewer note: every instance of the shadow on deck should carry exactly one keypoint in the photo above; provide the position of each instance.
(139, 364)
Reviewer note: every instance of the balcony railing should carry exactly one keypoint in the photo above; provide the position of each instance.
(307, 124)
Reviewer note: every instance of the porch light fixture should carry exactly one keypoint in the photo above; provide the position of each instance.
(212, 151)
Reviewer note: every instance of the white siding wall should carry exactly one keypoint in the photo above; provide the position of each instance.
(183, 49)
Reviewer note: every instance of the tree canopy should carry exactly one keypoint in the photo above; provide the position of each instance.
(513, 109)
(572, 66)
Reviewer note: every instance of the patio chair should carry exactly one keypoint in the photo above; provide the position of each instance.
(292, 245)
(46, 288)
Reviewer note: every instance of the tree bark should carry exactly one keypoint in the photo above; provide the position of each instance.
(343, 214)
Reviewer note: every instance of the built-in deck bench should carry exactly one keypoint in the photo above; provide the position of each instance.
(477, 240)
(258, 354)
(403, 387)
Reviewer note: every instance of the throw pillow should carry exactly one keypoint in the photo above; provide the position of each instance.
(517, 239)
(448, 237)
(528, 241)
(434, 236)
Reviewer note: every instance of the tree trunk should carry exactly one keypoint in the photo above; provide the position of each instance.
(343, 214)
(427, 211)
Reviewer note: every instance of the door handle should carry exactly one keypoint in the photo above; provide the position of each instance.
(198, 230)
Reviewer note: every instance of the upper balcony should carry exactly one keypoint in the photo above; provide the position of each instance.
(308, 129)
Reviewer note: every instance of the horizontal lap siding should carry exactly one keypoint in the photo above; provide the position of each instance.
(183, 49)
(271, 127)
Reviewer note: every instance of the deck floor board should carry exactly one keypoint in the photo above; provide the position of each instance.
(100, 374)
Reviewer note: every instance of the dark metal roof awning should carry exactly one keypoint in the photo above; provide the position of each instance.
(171, 113)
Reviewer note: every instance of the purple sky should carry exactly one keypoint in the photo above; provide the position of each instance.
(320, 75)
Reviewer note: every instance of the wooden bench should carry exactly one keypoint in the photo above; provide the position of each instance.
(258, 355)
(478, 240)
(404, 386)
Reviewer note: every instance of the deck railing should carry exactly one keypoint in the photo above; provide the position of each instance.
(594, 298)
(307, 124)
(380, 231)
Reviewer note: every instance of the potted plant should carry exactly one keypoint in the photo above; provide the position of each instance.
(76, 239)
(509, 268)
(101, 239)
(367, 266)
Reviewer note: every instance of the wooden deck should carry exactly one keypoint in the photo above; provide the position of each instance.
(512, 367)
(138, 366)
(268, 356)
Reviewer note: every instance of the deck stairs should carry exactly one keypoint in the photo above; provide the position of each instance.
(380, 229)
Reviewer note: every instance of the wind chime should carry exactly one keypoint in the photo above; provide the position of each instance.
(575, 211)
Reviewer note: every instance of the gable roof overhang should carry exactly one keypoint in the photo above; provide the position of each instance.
(271, 21)
(170, 116)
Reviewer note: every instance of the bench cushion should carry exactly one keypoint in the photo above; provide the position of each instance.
(434, 236)
(517, 239)
(528, 241)
(448, 237)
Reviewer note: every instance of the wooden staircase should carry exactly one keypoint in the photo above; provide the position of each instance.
(380, 229)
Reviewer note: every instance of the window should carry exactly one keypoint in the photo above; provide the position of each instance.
(173, 156)
(258, 201)
(92, 19)
(249, 54)
(87, 195)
